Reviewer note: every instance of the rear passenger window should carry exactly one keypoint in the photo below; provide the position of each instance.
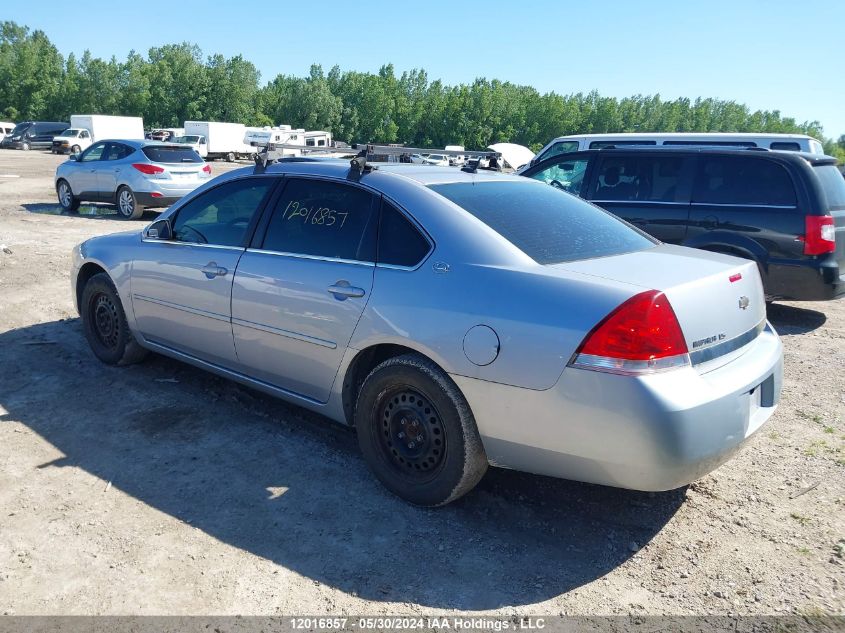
(639, 178)
(399, 241)
(742, 180)
(791, 147)
(324, 219)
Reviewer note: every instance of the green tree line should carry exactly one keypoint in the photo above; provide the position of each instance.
(177, 82)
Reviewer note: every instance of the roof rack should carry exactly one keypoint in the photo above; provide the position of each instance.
(369, 152)
(684, 146)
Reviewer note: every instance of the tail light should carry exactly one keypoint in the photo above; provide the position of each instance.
(207, 169)
(640, 336)
(819, 235)
(146, 168)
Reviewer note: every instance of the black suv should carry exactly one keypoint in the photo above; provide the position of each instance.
(34, 135)
(781, 209)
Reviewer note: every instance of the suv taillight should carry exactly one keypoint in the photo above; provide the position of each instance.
(146, 168)
(820, 235)
(640, 336)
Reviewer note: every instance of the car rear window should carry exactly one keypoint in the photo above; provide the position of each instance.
(169, 154)
(734, 180)
(833, 184)
(548, 225)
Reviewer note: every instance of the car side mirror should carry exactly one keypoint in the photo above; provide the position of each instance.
(158, 230)
(73, 157)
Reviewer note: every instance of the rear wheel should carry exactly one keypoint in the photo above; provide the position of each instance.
(127, 204)
(68, 201)
(417, 432)
(104, 322)
(230, 157)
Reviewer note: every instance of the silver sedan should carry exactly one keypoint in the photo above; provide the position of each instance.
(455, 319)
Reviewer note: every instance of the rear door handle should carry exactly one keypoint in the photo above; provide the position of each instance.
(212, 270)
(342, 290)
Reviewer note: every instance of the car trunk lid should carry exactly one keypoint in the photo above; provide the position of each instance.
(718, 299)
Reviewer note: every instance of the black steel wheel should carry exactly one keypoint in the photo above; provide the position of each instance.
(105, 325)
(417, 432)
(413, 437)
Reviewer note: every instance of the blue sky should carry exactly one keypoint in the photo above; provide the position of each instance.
(768, 54)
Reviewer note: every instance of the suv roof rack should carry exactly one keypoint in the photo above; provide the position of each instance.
(680, 145)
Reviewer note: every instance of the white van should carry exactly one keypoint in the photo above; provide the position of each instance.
(578, 142)
(5, 129)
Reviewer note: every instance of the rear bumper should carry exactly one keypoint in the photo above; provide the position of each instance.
(655, 432)
(149, 200)
(165, 193)
(812, 280)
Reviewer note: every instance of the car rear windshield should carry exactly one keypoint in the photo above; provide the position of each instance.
(166, 154)
(833, 184)
(548, 225)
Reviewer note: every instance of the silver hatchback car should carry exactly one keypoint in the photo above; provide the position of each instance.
(456, 319)
(133, 175)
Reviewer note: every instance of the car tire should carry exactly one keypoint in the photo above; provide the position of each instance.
(230, 157)
(104, 323)
(25, 147)
(417, 432)
(67, 200)
(127, 204)
(75, 149)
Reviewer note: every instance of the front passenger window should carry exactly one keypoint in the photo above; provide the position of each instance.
(221, 215)
(95, 152)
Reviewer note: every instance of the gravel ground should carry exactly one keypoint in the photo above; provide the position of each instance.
(160, 489)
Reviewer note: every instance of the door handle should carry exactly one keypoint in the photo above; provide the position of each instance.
(342, 290)
(212, 270)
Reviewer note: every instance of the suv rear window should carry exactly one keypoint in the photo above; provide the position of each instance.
(169, 154)
(546, 224)
(833, 184)
(741, 180)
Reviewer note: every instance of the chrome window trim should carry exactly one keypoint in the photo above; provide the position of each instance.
(321, 258)
(178, 243)
(750, 206)
(658, 202)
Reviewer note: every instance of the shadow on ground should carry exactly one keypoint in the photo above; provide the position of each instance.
(789, 319)
(290, 486)
(87, 211)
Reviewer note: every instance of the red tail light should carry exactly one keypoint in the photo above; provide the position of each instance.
(207, 169)
(146, 168)
(820, 235)
(641, 335)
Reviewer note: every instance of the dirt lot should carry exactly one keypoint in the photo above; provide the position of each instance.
(160, 489)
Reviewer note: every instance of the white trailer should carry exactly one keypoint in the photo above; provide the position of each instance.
(281, 135)
(318, 138)
(102, 126)
(219, 140)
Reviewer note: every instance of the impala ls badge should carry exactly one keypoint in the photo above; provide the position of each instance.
(743, 303)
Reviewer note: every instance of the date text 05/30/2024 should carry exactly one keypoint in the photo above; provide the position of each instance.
(417, 623)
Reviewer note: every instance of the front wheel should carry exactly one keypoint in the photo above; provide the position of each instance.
(25, 147)
(230, 157)
(127, 204)
(75, 149)
(104, 322)
(417, 432)
(68, 201)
